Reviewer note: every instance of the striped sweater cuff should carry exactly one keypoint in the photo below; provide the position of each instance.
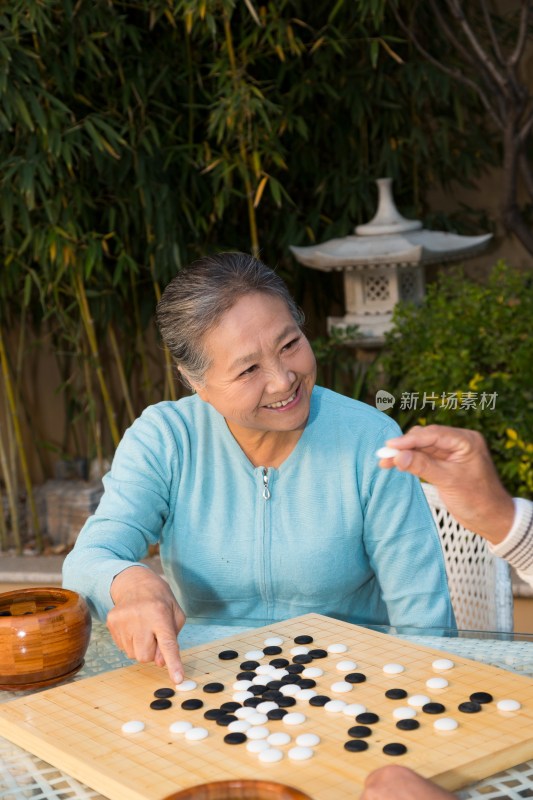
(517, 547)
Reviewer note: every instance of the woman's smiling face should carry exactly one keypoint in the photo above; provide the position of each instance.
(262, 369)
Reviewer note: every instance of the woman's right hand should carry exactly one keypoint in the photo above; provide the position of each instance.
(146, 619)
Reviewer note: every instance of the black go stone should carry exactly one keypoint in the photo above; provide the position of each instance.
(396, 694)
(230, 706)
(394, 749)
(360, 732)
(213, 688)
(303, 639)
(286, 702)
(291, 679)
(257, 688)
(247, 666)
(253, 702)
(235, 738)
(276, 713)
(214, 713)
(279, 663)
(318, 653)
(481, 697)
(303, 658)
(433, 708)
(355, 677)
(319, 700)
(164, 692)
(367, 718)
(272, 694)
(246, 676)
(228, 655)
(468, 707)
(226, 719)
(274, 685)
(407, 724)
(295, 669)
(356, 745)
(5, 613)
(191, 704)
(307, 683)
(272, 650)
(160, 704)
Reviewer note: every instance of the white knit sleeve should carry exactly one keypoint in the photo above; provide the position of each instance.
(517, 547)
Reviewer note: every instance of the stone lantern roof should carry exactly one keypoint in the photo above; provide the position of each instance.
(383, 261)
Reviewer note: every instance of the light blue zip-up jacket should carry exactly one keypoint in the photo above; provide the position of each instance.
(334, 534)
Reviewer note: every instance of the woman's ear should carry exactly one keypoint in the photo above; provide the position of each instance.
(196, 388)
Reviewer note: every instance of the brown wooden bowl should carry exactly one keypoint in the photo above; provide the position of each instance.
(240, 790)
(44, 634)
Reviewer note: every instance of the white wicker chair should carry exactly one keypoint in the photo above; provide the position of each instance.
(479, 582)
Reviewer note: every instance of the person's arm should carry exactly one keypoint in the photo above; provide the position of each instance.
(401, 783)
(459, 464)
(104, 566)
(405, 551)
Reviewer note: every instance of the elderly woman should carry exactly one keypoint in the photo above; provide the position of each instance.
(263, 490)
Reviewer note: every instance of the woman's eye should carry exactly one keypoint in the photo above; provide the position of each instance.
(248, 371)
(291, 343)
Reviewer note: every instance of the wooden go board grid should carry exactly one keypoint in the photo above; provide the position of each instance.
(77, 726)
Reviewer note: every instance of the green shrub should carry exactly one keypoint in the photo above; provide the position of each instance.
(465, 358)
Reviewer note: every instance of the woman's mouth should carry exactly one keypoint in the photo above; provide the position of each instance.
(282, 404)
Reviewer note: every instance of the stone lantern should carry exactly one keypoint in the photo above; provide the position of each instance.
(383, 264)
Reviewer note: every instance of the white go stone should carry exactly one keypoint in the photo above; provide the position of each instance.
(273, 641)
(294, 718)
(182, 726)
(271, 755)
(305, 694)
(133, 726)
(239, 725)
(393, 669)
(277, 674)
(241, 686)
(337, 648)
(418, 700)
(436, 683)
(290, 689)
(186, 686)
(307, 740)
(265, 669)
(253, 655)
(244, 712)
(508, 705)
(404, 712)
(353, 709)
(346, 665)
(300, 650)
(257, 719)
(300, 753)
(240, 697)
(341, 687)
(442, 664)
(268, 705)
(196, 734)
(387, 452)
(335, 706)
(445, 724)
(278, 739)
(258, 733)
(257, 745)
(261, 680)
(312, 672)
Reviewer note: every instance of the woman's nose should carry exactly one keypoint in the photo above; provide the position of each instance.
(281, 379)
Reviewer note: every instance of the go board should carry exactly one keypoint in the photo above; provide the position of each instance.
(77, 727)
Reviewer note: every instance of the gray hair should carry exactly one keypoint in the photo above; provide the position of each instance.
(196, 299)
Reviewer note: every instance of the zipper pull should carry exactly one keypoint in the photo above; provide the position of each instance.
(266, 490)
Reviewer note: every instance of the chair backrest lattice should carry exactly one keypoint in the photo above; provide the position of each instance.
(479, 582)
